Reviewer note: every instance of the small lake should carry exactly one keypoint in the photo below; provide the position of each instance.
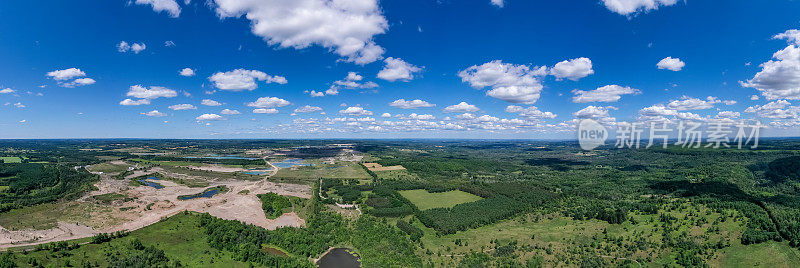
(206, 194)
(257, 172)
(295, 162)
(148, 181)
(339, 258)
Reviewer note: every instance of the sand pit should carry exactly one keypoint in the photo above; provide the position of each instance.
(151, 205)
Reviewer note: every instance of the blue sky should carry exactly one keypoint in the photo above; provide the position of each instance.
(525, 69)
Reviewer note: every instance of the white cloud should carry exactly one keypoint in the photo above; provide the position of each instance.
(7, 91)
(169, 43)
(509, 82)
(573, 69)
(779, 109)
(628, 7)
(66, 74)
(135, 47)
(178, 107)
(397, 69)
(688, 103)
(169, 6)
(229, 112)
(208, 102)
(307, 109)
(209, 117)
(728, 114)
(609, 93)
(154, 113)
(414, 104)
(130, 102)
(313, 93)
(461, 108)
(779, 78)
(19, 105)
(351, 81)
(356, 111)
(386, 115)
(498, 3)
(268, 102)
(154, 92)
(241, 79)
(415, 116)
(265, 111)
(670, 63)
(187, 72)
(78, 82)
(791, 36)
(597, 113)
(754, 97)
(531, 112)
(345, 27)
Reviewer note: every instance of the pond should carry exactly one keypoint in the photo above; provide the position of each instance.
(149, 182)
(291, 163)
(339, 258)
(206, 194)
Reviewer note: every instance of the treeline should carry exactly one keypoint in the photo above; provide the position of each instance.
(31, 184)
(243, 162)
(469, 215)
(274, 204)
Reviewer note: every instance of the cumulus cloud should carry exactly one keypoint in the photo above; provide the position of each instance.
(229, 112)
(209, 117)
(780, 109)
(19, 105)
(791, 36)
(632, 7)
(66, 74)
(187, 72)
(670, 63)
(171, 7)
(531, 112)
(135, 47)
(179, 107)
(397, 69)
(597, 113)
(461, 108)
(7, 91)
(345, 27)
(208, 102)
(779, 78)
(386, 115)
(62, 76)
(154, 113)
(688, 103)
(573, 69)
(609, 93)
(415, 116)
(355, 111)
(268, 102)
(508, 82)
(265, 111)
(351, 81)
(414, 104)
(307, 109)
(498, 3)
(130, 102)
(241, 79)
(154, 92)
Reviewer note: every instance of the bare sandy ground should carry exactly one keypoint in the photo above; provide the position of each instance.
(217, 168)
(164, 203)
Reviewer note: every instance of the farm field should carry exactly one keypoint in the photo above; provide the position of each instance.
(425, 200)
(10, 159)
(324, 171)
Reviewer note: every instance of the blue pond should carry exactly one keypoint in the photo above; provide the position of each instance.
(257, 172)
(150, 183)
(205, 194)
(291, 163)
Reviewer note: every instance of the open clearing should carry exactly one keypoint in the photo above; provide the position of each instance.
(11, 159)
(324, 171)
(425, 200)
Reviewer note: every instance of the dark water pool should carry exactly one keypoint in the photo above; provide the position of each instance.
(205, 194)
(339, 258)
(150, 183)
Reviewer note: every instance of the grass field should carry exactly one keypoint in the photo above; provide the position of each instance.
(46, 216)
(180, 237)
(396, 175)
(767, 254)
(108, 168)
(3, 188)
(11, 159)
(324, 171)
(425, 200)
